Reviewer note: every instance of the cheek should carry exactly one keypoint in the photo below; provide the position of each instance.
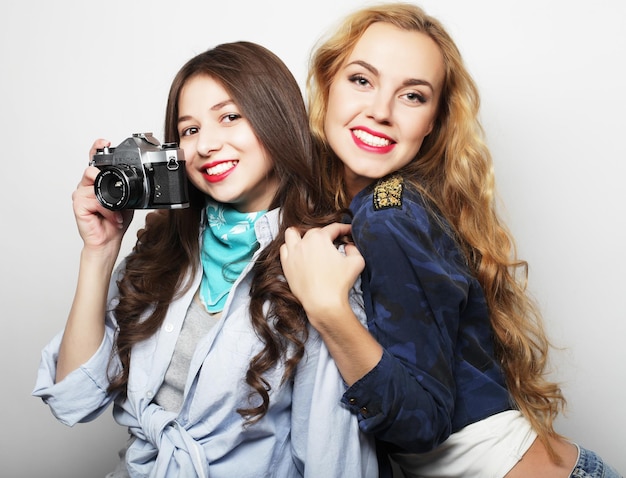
(257, 157)
(415, 138)
(242, 141)
(337, 103)
(420, 127)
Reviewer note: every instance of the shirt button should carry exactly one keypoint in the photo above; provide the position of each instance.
(149, 394)
(169, 327)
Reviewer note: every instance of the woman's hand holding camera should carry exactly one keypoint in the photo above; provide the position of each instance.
(98, 226)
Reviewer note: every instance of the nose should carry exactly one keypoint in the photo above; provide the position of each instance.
(208, 141)
(380, 108)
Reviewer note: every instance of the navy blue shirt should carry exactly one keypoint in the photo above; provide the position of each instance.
(438, 372)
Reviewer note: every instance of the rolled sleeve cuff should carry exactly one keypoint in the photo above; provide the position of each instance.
(365, 397)
(82, 394)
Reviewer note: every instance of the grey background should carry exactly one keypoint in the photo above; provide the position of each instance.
(552, 79)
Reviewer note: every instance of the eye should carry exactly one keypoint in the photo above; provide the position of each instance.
(415, 97)
(230, 117)
(359, 80)
(188, 131)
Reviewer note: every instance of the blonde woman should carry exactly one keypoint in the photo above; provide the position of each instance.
(450, 377)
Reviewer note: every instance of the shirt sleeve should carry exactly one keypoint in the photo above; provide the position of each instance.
(326, 438)
(414, 290)
(82, 395)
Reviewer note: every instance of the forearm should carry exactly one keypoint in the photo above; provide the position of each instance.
(84, 329)
(383, 392)
(350, 344)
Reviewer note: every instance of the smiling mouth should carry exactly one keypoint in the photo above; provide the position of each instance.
(370, 139)
(220, 168)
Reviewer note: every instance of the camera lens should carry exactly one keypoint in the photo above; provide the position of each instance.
(119, 188)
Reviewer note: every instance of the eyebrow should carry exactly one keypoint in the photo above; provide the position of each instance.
(408, 82)
(215, 107)
(221, 104)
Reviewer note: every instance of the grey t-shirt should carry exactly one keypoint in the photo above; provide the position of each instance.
(196, 325)
(170, 396)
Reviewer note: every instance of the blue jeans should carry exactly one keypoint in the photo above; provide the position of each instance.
(590, 465)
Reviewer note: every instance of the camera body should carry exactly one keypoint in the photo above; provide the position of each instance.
(140, 173)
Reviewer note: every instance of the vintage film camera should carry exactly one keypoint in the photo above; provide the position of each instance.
(140, 173)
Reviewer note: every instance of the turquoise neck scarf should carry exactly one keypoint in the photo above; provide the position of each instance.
(228, 243)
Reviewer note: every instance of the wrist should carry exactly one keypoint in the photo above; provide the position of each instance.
(101, 259)
(329, 317)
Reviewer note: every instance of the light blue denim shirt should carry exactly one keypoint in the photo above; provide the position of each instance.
(306, 432)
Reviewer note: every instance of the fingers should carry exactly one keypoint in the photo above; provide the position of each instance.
(87, 208)
(318, 272)
(99, 227)
(333, 232)
(284, 254)
(85, 199)
(355, 257)
(89, 177)
(292, 235)
(98, 144)
(337, 230)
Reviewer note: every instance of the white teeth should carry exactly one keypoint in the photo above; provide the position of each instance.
(371, 139)
(221, 167)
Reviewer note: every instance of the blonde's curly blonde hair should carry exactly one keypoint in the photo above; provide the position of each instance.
(454, 170)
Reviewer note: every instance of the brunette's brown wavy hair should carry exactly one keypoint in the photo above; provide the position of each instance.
(166, 255)
(454, 170)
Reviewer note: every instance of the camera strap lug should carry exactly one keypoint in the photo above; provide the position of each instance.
(172, 163)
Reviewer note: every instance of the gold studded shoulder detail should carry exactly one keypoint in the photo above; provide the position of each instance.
(388, 193)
